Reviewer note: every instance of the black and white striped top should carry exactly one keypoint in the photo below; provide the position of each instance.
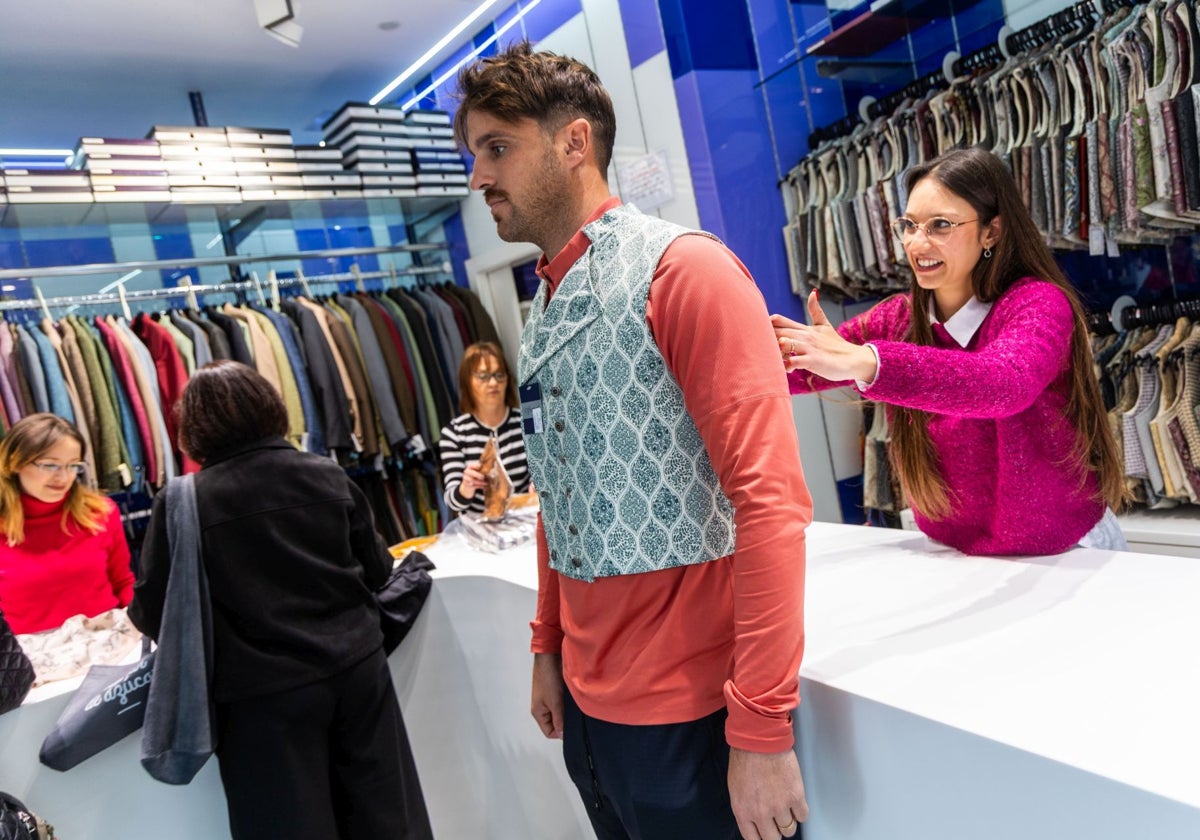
(462, 443)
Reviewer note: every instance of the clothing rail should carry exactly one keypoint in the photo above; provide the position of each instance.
(199, 262)
(213, 288)
(1071, 22)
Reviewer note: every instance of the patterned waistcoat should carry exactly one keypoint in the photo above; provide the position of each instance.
(626, 484)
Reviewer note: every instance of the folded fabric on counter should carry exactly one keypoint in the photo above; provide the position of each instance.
(79, 644)
(516, 528)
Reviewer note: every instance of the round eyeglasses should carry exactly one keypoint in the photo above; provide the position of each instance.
(54, 469)
(497, 376)
(936, 229)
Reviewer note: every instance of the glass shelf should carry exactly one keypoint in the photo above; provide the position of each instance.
(883, 23)
(52, 234)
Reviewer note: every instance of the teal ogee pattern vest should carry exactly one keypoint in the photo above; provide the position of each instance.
(626, 484)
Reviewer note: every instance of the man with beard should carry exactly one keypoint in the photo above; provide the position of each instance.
(656, 418)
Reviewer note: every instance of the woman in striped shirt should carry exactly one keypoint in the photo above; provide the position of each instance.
(489, 406)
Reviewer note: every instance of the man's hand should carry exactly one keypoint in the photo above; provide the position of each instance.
(767, 794)
(546, 703)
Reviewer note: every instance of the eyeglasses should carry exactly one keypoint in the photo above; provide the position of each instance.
(936, 229)
(54, 469)
(497, 376)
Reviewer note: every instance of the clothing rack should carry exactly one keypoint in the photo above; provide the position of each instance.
(1160, 313)
(1070, 24)
(1127, 314)
(200, 262)
(212, 288)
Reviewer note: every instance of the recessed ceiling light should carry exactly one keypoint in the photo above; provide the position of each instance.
(389, 25)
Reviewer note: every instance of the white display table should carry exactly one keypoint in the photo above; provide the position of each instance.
(945, 697)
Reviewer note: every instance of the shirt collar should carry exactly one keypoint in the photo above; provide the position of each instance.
(554, 270)
(963, 324)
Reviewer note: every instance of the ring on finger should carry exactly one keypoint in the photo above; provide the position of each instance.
(787, 826)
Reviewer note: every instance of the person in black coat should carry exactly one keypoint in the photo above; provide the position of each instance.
(310, 739)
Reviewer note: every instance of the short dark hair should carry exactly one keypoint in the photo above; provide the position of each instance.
(228, 404)
(547, 88)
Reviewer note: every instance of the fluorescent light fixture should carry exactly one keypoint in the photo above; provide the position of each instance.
(434, 50)
(213, 242)
(121, 280)
(36, 152)
(526, 9)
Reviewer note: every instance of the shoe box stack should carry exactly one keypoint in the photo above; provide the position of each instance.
(323, 174)
(199, 163)
(264, 163)
(397, 153)
(44, 186)
(123, 168)
(368, 152)
(439, 165)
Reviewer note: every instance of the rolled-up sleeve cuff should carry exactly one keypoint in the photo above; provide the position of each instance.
(756, 729)
(546, 638)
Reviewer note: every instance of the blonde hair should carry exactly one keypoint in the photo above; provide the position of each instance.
(26, 441)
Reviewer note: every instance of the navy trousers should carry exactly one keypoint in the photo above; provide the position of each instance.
(650, 782)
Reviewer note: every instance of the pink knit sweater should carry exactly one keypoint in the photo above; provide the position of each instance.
(996, 419)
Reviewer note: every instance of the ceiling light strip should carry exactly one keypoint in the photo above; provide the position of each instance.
(471, 56)
(434, 50)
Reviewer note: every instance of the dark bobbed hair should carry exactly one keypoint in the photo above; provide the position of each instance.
(227, 404)
(549, 89)
(466, 370)
(980, 178)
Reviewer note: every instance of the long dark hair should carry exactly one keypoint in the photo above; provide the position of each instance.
(982, 180)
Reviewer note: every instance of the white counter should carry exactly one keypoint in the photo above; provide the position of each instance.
(944, 697)
(955, 697)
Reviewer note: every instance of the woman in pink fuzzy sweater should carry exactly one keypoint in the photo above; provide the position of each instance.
(998, 430)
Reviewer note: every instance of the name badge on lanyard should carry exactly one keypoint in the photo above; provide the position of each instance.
(531, 408)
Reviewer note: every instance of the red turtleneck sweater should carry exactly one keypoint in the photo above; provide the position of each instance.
(54, 575)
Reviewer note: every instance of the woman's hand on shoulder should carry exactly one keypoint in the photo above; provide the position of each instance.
(817, 347)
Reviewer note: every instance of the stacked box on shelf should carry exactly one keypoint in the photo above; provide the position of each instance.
(375, 145)
(44, 186)
(265, 162)
(439, 167)
(123, 168)
(199, 163)
(323, 175)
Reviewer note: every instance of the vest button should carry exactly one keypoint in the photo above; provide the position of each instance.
(555, 391)
(554, 555)
(576, 562)
(568, 491)
(562, 459)
(559, 426)
(573, 528)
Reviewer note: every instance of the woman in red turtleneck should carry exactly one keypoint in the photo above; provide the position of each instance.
(62, 551)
